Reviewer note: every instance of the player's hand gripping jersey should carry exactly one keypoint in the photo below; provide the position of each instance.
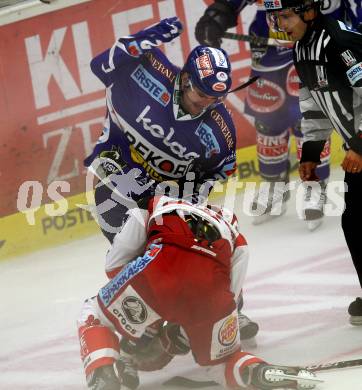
(145, 126)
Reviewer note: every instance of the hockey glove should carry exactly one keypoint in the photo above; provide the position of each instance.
(258, 48)
(164, 31)
(217, 18)
(162, 349)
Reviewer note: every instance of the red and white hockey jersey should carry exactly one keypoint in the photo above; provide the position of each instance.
(178, 279)
(132, 240)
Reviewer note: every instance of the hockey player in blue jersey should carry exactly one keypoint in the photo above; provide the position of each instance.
(273, 101)
(162, 123)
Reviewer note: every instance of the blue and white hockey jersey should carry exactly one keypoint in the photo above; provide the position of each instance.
(145, 127)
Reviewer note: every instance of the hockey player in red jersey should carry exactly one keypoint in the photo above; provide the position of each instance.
(182, 294)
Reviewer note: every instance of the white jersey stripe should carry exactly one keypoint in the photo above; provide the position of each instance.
(333, 115)
(348, 115)
(99, 354)
(319, 45)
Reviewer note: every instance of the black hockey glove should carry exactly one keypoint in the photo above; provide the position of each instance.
(258, 48)
(217, 18)
(160, 350)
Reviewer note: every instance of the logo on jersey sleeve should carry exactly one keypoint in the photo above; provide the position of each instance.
(355, 73)
(208, 139)
(134, 309)
(132, 313)
(348, 58)
(151, 85)
(225, 336)
(272, 4)
(110, 290)
(133, 49)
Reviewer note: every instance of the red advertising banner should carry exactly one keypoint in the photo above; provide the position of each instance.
(52, 107)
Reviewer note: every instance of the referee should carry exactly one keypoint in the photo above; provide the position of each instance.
(328, 58)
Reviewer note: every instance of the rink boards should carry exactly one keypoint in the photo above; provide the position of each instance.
(52, 109)
(69, 218)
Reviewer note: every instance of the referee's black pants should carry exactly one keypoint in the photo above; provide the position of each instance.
(352, 219)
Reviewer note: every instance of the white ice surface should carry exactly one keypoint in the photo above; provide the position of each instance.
(298, 288)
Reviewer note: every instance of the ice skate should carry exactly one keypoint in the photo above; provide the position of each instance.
(355, 312)
(127, 372)
(269, 202)
(267, 376)
(247, 327)
(248, 330)
(313, 206)
(103, 378)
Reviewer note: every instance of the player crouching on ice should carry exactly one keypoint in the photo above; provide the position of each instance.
(182, 294)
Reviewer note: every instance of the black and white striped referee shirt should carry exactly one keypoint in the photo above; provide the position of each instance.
(329, 63)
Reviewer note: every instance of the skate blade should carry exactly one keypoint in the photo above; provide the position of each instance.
(302, 381)
(313, 225)
(258, 220)
(355, 320)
